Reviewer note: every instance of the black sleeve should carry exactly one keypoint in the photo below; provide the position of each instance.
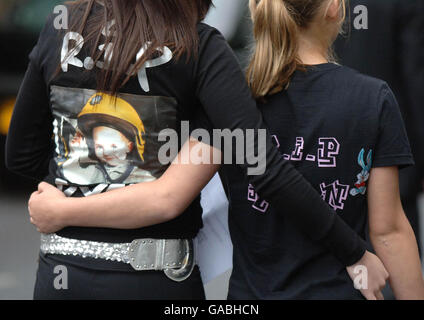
(392, 146)
(29, 143)
(227, 102)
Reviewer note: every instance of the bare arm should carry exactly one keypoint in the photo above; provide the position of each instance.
(137, 206)
(392, 235)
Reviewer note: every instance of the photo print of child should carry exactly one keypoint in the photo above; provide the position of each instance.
(104, 141)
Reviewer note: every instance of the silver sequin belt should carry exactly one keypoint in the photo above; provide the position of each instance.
(173, 256)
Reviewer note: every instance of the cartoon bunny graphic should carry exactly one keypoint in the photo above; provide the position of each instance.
(361, 184)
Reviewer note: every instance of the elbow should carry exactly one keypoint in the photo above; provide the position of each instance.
(29, 166)
(169, 207)
(16, 167)
(11, 160)
(10, 163)
(383, 240)
(385, 236)
(383, 231)
(8, 158)
(171, 211)
(385, 222)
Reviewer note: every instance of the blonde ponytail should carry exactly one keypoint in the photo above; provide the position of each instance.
(276, 28)
(275, 56)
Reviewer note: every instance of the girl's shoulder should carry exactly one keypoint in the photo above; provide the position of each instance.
(204, 28)
(354, 77)
(209, 34)
(361, 87)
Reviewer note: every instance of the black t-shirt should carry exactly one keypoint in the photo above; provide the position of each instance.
(64, 105)
(334, 125)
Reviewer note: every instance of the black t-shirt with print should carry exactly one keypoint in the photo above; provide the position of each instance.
(65, 106)
(334, 125)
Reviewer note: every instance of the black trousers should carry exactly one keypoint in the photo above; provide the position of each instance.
(91, 284)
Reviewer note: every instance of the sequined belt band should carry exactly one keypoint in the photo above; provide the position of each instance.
(174, 256)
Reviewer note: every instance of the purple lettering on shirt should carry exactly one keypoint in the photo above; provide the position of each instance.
(258, 204)
(335, 194)
(328, 150)
(297, 154)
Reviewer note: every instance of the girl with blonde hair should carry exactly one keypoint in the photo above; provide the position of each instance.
(344, 132)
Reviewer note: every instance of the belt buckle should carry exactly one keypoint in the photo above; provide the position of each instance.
(142, 254)
(149, 254)
(187, 266)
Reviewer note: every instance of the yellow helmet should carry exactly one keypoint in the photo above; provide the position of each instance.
(105, 110)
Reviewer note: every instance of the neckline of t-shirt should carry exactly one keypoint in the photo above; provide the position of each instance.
(322, 66)
(313, 69)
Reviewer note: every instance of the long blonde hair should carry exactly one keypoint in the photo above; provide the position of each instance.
(276, 26)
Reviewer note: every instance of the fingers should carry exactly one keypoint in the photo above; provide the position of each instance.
(42, 186)
(379, 295)
(33, 195)
(368, 294)
(34, 223)
(373, 296)
(386, 276)
(31, 198)
(375, 292)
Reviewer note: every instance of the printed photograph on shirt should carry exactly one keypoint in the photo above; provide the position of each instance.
(102, 139)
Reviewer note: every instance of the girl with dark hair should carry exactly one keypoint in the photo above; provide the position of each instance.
(117, 244)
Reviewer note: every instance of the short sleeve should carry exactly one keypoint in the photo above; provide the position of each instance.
(392, 147)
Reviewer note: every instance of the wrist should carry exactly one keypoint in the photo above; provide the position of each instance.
(345, 244)
(361, 261)
(65, 216)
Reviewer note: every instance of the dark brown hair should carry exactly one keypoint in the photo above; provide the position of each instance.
(162, 23)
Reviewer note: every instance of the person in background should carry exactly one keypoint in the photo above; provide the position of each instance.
(232, 19)
(385, 39)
